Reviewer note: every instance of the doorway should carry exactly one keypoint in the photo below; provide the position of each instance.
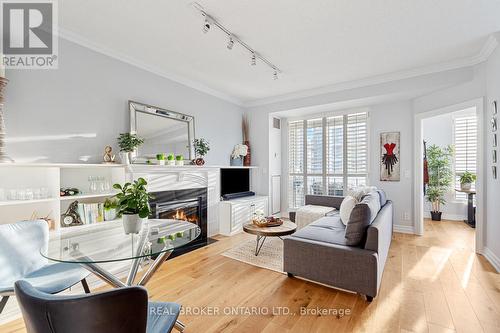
(442, 128)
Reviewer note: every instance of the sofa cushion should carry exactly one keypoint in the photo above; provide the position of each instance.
(346, 208)
(359, 221)
(372, 199)
(326, 229)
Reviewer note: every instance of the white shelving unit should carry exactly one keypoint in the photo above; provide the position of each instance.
(53, 177)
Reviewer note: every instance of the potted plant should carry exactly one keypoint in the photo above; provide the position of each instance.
(466, 180)
(160, 158)
(239, 152)
(110, 206)
(171, 159)
(439, 161)
(128, 143)
(133, 204)
(201, 148)
(179, 160)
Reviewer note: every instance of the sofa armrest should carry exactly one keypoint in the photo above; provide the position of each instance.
(324, 200)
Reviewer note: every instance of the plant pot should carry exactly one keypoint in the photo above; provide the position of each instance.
(199, 161)
(436, 216)
(125, 157)
(170, 162)
(161, 162)
(179, 163)
(109, 214)
(132, 224)
(236, 161)
(465, 186)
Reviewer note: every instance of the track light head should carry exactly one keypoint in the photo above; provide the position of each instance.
(207, 25)
(254, 59)
(275, 75)
(230, 43)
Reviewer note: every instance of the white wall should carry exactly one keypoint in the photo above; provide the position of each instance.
(492, 249)
(438, 131)
(47, 111)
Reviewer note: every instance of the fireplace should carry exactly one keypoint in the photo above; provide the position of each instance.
(186, 205)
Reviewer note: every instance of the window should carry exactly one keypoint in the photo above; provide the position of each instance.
(465, 140)
(327, 155)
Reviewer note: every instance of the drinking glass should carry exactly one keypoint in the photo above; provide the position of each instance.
(21, 194)
(29, 194)
(44, 193)
(12, 194)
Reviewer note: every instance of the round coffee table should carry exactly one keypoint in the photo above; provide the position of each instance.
(287, 228)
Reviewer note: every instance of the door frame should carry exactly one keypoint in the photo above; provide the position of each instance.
(481, 169)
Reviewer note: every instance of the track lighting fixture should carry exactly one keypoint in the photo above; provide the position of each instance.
(230, 43)
(210, 22)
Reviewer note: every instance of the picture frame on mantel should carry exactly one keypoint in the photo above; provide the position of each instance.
(390, 169)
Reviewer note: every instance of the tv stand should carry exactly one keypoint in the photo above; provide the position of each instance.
(233, 214)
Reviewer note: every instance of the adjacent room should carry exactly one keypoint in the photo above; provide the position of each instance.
(249, 166)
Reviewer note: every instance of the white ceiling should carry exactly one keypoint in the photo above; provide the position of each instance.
(316, 43)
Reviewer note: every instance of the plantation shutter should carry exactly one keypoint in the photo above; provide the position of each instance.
(357, 149)
(296, 163)
(465, 138)
(335, 145)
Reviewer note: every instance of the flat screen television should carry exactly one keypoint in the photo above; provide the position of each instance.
(234, 180)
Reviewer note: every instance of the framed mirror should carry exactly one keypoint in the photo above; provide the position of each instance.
(163, 131)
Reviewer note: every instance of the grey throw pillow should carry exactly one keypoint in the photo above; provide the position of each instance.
(359, 221)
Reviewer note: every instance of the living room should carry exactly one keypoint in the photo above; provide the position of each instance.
(279, 180)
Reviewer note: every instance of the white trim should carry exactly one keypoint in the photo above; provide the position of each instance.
(82, 41)
(403, 229)
(487, 49)
(418, 174)
(492, 258)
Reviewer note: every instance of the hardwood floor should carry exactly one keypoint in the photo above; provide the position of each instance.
(434, 283)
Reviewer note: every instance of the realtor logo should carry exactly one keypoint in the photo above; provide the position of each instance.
(29, 38)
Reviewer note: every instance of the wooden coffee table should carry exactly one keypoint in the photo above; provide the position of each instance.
(287, 228)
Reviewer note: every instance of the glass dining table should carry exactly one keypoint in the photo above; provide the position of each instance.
(94, 245)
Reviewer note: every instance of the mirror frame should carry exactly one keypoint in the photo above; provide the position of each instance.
(135, 107)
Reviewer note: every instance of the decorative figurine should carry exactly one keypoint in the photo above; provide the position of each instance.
(109, 157)
(71, 216)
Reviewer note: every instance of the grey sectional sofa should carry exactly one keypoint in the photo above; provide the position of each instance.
(323, 251)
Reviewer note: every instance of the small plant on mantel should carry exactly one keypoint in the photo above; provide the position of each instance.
(133, 204)
(201, 148)
(128, 143)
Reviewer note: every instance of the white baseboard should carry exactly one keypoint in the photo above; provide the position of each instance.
(492, 258)
(404, 229)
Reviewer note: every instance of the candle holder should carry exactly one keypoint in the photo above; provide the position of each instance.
(3, 155)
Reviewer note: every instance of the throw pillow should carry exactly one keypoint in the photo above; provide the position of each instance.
(372, 200)
(346, 208)
(355, 232)
(359, 192)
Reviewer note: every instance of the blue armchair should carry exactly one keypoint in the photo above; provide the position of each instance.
(20, 259)
(124, 310)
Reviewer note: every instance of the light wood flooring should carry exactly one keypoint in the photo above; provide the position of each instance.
(434, 283)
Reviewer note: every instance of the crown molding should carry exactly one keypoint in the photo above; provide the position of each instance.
(489, 46)
(77, 39)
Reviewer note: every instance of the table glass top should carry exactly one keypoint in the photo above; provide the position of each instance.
(107, 242)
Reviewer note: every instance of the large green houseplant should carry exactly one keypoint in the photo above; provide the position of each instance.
(439, 161)
(133, 204)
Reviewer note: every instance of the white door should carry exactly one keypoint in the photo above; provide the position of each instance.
(276, 194)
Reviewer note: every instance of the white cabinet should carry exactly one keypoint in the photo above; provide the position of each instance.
(233, 214)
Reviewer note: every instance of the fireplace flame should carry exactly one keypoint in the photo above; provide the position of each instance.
(181, 215)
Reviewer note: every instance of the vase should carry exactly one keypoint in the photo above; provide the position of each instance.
(236, 161)
(132, 223)
(161, 162)
(171, 162)
(199, 161)
(465, 186)
(125, 157)
(109, 214)
(436, 216)
(179, 162)
(247, 160)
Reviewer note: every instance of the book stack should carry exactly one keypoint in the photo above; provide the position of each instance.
(91, 213)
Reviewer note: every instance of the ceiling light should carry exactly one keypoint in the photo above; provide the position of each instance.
(275, 75)
(254, 59)
(206, 25)
(230, 43)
